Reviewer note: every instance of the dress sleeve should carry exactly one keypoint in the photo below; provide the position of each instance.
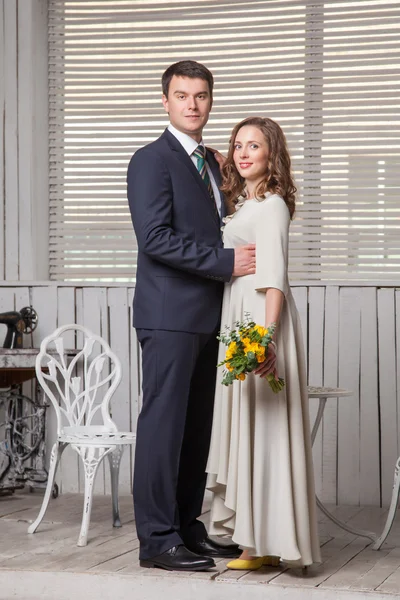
(272, 239)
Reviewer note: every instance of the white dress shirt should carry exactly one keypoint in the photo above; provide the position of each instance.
(190, 146)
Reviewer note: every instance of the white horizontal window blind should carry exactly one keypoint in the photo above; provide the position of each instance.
(328, 72)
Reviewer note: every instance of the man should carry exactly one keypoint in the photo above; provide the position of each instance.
(176, 210)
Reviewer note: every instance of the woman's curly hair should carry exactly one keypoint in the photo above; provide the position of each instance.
(278, 177)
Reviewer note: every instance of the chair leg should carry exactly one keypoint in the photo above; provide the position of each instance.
(91, 457)
(56, 453)
(392, 509)
(114, 459)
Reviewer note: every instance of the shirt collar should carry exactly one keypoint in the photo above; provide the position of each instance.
(187, 142)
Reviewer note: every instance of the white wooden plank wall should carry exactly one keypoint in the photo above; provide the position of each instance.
(352, 339)
(328, 476)
(23, 147)
(107, 313)
(2, 138)
(11, 208)
(387, 385)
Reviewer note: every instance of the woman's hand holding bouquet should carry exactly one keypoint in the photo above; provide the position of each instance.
(250, 350)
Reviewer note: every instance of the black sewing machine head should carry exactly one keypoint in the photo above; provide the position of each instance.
(24, 321)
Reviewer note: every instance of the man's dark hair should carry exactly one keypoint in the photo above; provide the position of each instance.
(187, 68)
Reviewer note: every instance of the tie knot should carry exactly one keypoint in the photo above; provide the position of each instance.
(200, 152)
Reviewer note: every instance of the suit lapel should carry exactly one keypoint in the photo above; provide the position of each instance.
(185, 159)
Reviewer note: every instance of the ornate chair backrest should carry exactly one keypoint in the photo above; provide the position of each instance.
(80, 388)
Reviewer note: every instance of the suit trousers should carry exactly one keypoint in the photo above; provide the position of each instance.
(173, 437)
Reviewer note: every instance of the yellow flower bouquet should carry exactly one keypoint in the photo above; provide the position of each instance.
(247, 344)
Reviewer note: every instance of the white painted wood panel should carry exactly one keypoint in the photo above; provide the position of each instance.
(300, 295)
(348, 410)
(24, 186)
(316, 300)
(122, 400)
(7, 300)
(397, 312)
(351, 337)
(369, 407)
(44, 301)
(68, 475)
(25, 133)
(11, 141)
(331, 373)
(40, 143)
(2, 146)
(387, 390)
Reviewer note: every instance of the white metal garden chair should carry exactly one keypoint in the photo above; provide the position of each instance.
(392, 509)
(80, 393)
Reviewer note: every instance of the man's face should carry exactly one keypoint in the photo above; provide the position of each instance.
(188, 105)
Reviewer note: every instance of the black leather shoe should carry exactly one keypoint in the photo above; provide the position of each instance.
(209, 547)
(179, 558)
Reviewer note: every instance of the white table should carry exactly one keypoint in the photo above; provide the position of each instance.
(323, 393)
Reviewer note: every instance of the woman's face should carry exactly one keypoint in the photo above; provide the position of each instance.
(251, 153)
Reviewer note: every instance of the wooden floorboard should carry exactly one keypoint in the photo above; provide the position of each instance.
(349, 565)
(386, 563)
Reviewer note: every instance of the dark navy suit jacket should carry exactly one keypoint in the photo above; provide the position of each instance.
(181, 262)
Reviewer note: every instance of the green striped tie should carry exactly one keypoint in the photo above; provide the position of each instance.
(200, 154)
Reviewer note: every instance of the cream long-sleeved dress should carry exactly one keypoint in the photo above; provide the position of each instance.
(260, 463)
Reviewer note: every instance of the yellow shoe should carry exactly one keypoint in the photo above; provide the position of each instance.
(246, 565)
(271, 561)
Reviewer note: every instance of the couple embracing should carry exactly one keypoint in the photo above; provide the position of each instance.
(254, 444)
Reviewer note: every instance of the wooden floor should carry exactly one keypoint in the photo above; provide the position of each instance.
(48, 564)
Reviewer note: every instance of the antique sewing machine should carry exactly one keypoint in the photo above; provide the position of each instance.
(22, 419)
(18, 322)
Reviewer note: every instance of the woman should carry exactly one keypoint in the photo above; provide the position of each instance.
(260, 463)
